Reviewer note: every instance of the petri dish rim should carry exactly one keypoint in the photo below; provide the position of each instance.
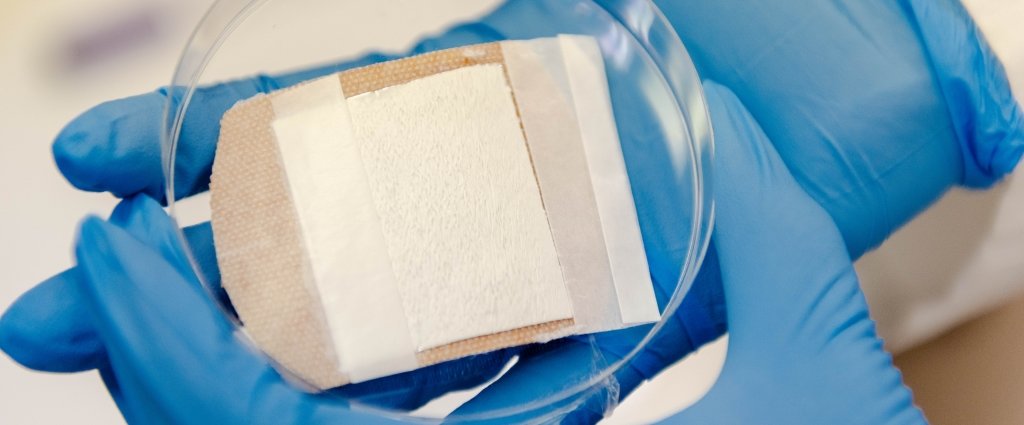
(646, 26)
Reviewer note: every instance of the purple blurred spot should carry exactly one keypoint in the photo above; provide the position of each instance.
(117, 37)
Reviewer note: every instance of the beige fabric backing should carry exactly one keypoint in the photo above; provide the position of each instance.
(262, 261)
(263, 265)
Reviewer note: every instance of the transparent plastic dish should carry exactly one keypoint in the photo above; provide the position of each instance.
(658, 105)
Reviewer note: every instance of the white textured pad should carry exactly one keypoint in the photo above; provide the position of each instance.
(463, 220)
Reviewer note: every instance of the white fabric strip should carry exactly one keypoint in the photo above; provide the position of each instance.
(542, 90)
(342, 231)
(585, 67)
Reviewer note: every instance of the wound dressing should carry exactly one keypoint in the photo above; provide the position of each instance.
(421, 210)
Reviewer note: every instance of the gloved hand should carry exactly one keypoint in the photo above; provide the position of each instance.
(802, 347)
(171, 356)
(802, 350)
(872, 106)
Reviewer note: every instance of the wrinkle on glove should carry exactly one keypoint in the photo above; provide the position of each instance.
(988, 121)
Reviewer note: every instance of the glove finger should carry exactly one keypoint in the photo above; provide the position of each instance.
(164, 338)
(989, 122)
(48, 328)
(795, 308)
(171, 348)
(760, 206)
(116, 147)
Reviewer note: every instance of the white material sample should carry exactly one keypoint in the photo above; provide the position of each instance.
(350, 264)
(631, 274)
(464, 204)
(462, 215)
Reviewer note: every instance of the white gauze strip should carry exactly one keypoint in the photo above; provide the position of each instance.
(342, 232)
(585, 66)
(543, 92)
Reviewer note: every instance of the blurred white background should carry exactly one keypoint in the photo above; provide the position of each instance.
(961, 259)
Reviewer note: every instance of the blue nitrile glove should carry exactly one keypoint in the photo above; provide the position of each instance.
(802, 347)
(172, 357)
(873, 107)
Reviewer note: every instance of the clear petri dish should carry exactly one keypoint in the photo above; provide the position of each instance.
(245, 47)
